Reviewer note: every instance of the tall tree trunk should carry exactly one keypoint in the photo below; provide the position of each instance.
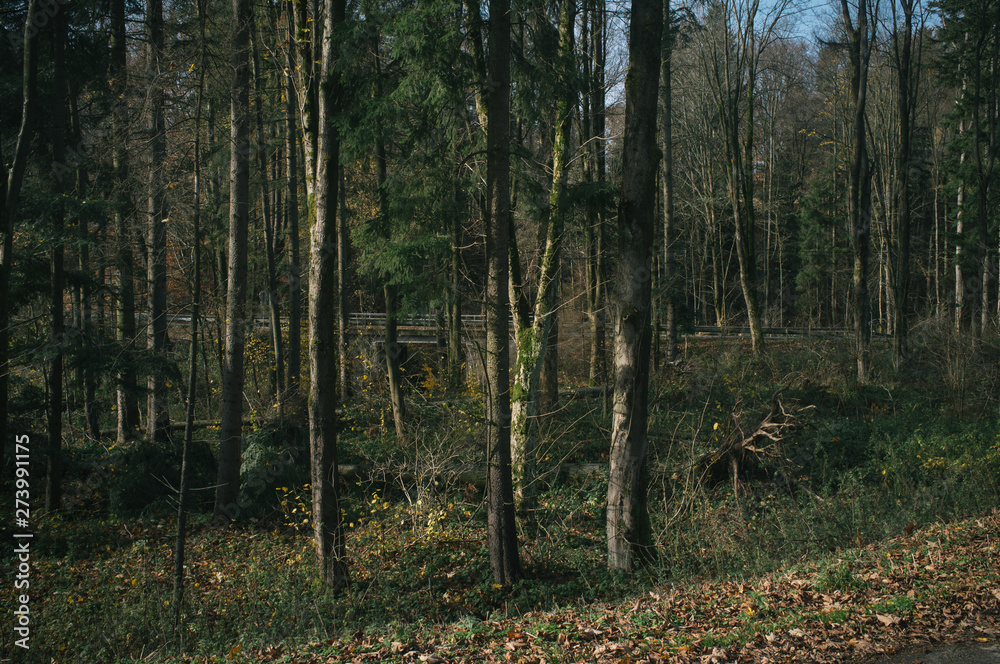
(231, 424)
(57, 327)
(343, 290)
(327, 524)
(859, 205)
(306, 29)
(533, 342)
(292, 216)
(192, 386)
(393, 351)
(906, 96)
(667, 181)
(393, 358)
(455, 358)
(628, 528)
(269, 214)
(501, 531)
(157, 415)
(83, 297)
(10, 193)
(127, 389)
(594, 234)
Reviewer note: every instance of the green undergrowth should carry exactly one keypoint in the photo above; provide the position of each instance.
(860, 466)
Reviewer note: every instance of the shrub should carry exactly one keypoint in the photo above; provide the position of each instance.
(275, 455)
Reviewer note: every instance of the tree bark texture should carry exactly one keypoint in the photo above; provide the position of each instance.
(501, 532)
(270, 228)
(533, 341)
(859, 203)
(292, 218)
(327, 523)
(157, 414)
(669, 284)
(127, 404)
(227, 492)
(628, 527)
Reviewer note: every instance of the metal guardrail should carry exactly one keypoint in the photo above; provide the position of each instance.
(478, 321)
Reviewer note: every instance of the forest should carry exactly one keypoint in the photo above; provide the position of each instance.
(508, 331)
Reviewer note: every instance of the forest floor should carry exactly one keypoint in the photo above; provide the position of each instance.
(936, 586)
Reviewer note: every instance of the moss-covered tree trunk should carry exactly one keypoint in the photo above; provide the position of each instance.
(532, 338)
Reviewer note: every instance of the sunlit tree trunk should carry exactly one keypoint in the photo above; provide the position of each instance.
(393, 351)
(328, 532)
(270, 225)
(533, 340)
(629, 534)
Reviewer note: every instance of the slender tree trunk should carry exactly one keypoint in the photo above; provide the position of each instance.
(343, 291)
(57, 326)
(628, 527)
(393, 357)
(595, 221)
(158, 415)
(269, 213)
(393, 351)
(305, 68)
(667, 182)
(533, 342)
(859, 204)
(231, 424)
(501, 531)
(182, 490)
(292, 218)
(548, 381)
(127, 401)
(906, 92)
(83, 297)
(455, 358)
(327, 524)
(10, 193)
